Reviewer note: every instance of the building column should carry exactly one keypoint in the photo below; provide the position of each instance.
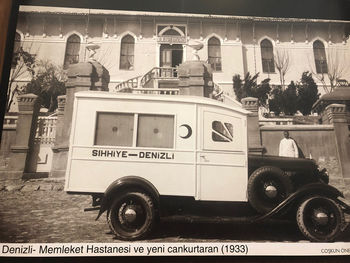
(336, 114)
(254, 140)
(28, 106)
(81, 77)
(195, 78)
(58, 158)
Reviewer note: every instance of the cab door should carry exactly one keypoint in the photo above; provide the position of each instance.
(222, 172)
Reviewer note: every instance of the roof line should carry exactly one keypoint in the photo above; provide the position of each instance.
(86, 11)
(167, 98)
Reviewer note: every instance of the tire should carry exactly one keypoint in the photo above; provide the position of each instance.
(319, 229)
(267, 187)
(132, 215)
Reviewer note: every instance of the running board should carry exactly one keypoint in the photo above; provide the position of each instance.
(91, 209)
(215, 219)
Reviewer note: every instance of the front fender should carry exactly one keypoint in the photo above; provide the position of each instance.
(127, 182)
(306, 190)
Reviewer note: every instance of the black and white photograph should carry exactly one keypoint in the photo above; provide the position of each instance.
(175, 128)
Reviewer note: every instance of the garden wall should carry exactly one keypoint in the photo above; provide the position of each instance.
(315, 140)
(8, 138)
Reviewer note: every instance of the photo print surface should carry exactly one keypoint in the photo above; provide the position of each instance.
(183, 131)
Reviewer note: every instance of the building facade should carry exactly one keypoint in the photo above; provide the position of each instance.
(131, 43)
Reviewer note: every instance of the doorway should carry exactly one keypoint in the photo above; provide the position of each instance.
(170, 55)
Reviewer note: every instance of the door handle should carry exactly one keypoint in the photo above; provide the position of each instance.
(204, 158)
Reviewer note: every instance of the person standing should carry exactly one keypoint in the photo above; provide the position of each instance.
(288, 147)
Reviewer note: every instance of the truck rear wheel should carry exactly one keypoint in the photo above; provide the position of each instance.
(320, 219)
(267, 187)
(132, 215)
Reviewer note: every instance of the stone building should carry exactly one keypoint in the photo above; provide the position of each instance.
(132, 43)
(152, 50)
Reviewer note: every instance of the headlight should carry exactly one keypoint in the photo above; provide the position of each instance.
(323, 175)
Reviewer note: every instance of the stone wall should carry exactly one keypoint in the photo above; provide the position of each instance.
(315, 140)
(8, 138)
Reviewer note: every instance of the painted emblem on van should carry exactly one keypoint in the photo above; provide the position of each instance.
(185, 131)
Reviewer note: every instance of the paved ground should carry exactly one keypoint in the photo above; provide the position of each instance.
(42, 212)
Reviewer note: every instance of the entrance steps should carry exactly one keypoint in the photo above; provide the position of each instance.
(158, 78)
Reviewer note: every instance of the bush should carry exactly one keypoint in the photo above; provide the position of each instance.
(300, 96)
(307, 93)
(249, 88)
(47, 83)
(290, 99)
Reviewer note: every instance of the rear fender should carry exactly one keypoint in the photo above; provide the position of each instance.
(307, 190)
(124, 183)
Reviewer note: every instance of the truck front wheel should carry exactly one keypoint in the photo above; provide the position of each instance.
(132, 215)
(320, 219)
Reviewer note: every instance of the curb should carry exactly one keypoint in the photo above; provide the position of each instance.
(32, 185)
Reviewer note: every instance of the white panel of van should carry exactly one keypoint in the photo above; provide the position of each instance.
(184, 146)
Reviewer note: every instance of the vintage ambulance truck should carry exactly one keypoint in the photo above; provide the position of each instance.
(143, 157)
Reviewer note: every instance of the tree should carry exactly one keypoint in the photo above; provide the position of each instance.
(47, 83)
(23, 62)
(307, 93)
(290, 99)
(282, 64)
(284, 100)
(249, 88)
(336, 68)
(276, 101)
(300, 96)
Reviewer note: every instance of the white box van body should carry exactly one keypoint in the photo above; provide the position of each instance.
(184, 146)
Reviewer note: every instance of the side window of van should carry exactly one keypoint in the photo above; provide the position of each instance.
(155, 131)
(117, 129)
(114, 129)
(222, 131)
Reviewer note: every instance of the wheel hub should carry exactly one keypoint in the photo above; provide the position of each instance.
(130, 214)
(321, 218)
(271, 191)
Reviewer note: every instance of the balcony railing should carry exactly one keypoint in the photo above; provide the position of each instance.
(46, 130)
(151, 91)
(139, 85)
(159, 73)
(141, 81)
(128, 84)
(10, 122)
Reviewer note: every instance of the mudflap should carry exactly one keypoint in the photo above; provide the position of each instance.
(104, 207)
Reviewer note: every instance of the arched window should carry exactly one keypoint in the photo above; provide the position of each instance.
(127, 53)
(16, 48)
(268, 64)
(171, 32)
(72, 50)
(214, 53)
(320, 57)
